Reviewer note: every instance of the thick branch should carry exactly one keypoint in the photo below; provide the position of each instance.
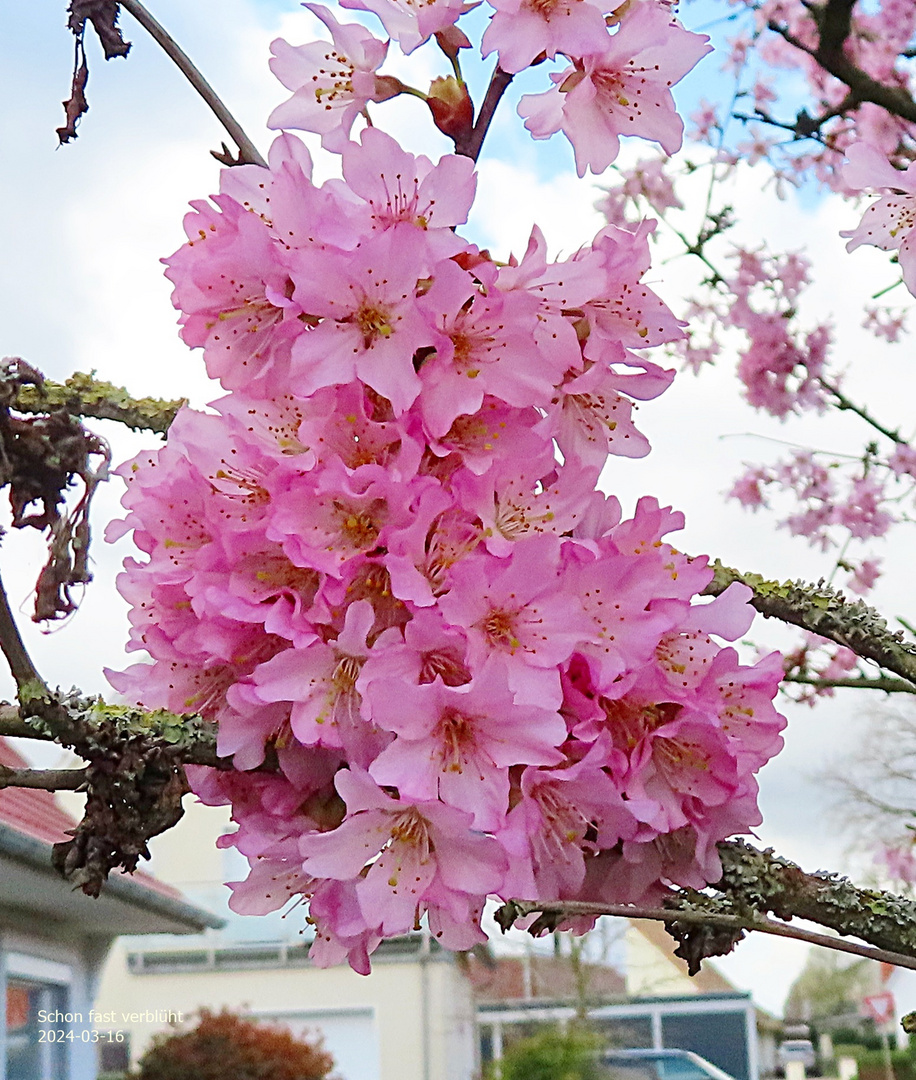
(84, 395)
(834, 23)
(12, 725)
(700, 918)
(47, 779)
(755, 884)
(248, 152)
(764, 882)
(822, 610)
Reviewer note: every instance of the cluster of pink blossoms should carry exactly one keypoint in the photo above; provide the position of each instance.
(445, 667)
(622, 65)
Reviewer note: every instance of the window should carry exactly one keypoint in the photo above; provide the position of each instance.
(36, 1029)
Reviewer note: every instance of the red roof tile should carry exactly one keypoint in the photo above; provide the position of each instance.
(34, 812)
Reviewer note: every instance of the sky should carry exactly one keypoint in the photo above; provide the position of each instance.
(84, 226)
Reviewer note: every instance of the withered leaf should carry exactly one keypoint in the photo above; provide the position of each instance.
(76, 104)
(103, 14)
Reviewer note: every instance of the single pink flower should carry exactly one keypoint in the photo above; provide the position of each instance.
(624, 90)
(331, 82)
(889, 223)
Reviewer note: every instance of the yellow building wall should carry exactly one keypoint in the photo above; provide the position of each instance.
(650, 972)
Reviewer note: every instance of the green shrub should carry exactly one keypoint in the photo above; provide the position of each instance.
(871, 1065)
(223, 1046)
(552, 1055)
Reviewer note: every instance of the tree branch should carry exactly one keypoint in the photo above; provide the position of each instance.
(46, 779)
(759, 923)
(471, 146)
(764, 882)
(28, 682)
(755, 884)
(845, 405)
(834, 24)
(824, 611)
(884, 683)
(248, 152)
(84, 395)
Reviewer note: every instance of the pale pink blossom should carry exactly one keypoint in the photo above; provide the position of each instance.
(888, 223)
(624, 90)
(331, 81)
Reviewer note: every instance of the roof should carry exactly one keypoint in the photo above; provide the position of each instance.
(31, 811)
(536, 977)
(708, 980)
(31, 821)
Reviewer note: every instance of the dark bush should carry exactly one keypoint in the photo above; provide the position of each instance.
(224, 1046)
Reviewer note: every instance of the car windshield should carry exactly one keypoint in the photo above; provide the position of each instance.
(660, 1067)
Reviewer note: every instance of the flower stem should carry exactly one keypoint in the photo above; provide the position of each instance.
(248, 152)
(471, 145)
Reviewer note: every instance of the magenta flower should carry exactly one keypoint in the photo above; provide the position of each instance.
(370, 324)
(233, 293)
(457, 743)
(420, 855)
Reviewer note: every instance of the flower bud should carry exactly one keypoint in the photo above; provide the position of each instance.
(451, 106)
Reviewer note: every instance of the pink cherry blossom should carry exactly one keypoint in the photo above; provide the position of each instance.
(520, 30)
(623, 90)
(888, 223)
(331, 82)
(458, 743)
(410, 22)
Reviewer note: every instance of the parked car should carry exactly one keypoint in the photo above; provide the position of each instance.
(659, 1065)
(796, 1050)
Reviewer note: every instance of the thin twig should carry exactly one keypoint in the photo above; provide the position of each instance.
(46, 779)
(845, 405)
(17, 657)
(888, 685)
(248, 152)
(704, 918)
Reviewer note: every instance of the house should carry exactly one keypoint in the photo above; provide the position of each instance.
(54, 942)
(411, 1019)
(654, 1003)
(423, 1013)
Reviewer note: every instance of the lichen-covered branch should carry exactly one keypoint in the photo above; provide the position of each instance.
(85, 395)
(885, 684)
(685, 920)
(761, 881)
(755, 885)
(823, 610)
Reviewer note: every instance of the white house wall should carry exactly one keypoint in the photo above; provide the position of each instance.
(65, 960)
(411, 1019)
